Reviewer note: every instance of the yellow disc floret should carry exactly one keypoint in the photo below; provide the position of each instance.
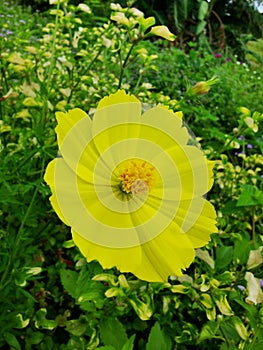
(136, 176)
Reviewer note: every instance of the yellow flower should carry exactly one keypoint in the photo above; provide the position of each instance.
(244, 111)
(131, 187)
(162, 31)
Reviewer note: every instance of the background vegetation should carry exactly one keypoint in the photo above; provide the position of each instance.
(60, 56)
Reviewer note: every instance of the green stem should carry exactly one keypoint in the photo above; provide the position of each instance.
(138, 82)
(50, 70)
(232, 138)
(124, 64)
(85, 72)
(253, 225)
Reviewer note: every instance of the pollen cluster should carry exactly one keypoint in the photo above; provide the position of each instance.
(136, 176)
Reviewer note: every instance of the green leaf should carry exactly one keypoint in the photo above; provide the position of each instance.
(200, 27)
(69, 281)
(241, 251)
(129, 344)
(230, 208)
(143, 309)
(250, 196)
(76, 327)
(239, 327)
(224, 257)
(78, 343)
(203, 9)
(229, 333)
(33, 338)
(209, 331)
(42, 322)
(113, 333)
(251, 311)
(157, 340)
(12, 341)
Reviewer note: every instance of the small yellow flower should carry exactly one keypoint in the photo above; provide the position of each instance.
(163, 31)
(251, 124)
(132, 187)
(244, 111)
(120, 18)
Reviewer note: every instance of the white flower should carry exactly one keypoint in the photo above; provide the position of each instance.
(136, 12)
(84, 8)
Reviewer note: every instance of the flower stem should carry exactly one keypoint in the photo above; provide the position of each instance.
(84, 73)
(50, 70)
(124, 64)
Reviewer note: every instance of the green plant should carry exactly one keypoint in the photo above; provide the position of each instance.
(50, 296)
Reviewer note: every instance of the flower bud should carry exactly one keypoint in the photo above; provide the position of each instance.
(202, 87)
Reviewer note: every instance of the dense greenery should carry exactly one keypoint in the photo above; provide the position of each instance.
(50, 297)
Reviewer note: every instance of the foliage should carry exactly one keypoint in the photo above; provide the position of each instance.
(50, 296)
(222, 25)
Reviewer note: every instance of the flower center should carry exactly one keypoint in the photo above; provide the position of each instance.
(136, 176)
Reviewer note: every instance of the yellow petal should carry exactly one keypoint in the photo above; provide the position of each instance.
(125, 259)
(119, 97)
(199, 233)
(49, 177)
(74, 128)
(66, 121)
(163, 31)
(153, 261)
(168, 254)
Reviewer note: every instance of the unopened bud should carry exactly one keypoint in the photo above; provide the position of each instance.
(202, 87)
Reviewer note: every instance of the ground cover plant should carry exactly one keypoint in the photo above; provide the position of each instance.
(51, 298)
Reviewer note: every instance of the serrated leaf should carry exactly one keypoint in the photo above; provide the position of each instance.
(69, 281)
(113, 333)
(157, 340)
(250, 196)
